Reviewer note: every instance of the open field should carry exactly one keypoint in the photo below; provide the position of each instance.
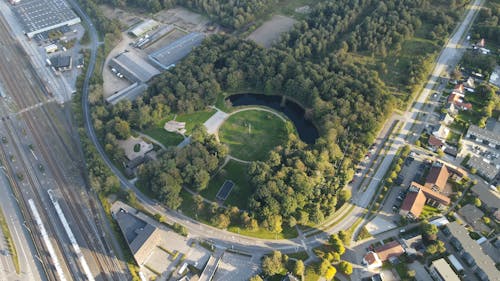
(251, 134)
(164, 137)
(182, 18)
(126, 18)
(269, 32)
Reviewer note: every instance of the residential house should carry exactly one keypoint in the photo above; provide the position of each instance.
(371, 260)
(469, 85)
(389, 251)
(447, 119)
(413, 204)
(437, 177)
(474, 217)
(435, 143)
(458, 101)
(435, 199)
(451, 109)
(441, 132)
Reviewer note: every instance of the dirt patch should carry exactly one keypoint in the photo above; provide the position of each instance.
(165, 40)
(126, 18)
(270, 31)
(184, 19)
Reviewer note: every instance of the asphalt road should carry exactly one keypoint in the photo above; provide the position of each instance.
(256, 246)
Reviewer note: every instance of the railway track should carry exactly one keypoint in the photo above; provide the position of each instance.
(27, 89)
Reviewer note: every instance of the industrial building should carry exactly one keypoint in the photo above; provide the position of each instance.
(61, 63)
(141, 236)
(133, 68)
(130, 93)
(37, 16)
(172, 53)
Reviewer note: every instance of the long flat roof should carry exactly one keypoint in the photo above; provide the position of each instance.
(37, 16)
(132, 64)
(177, 50)
(445, 270)
(483, 133)
(470, 246)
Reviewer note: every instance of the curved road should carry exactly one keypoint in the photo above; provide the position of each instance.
(254, 245)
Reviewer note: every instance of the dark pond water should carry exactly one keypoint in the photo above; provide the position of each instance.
(307, 131)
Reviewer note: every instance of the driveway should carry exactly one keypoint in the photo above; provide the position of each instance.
(421, 272)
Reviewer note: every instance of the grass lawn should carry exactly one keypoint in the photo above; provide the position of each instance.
(237, 172)
(429, 212)
(164, 137)
(188, 209)
(252, 143)
(453, 137)
(192, 119)
(299, 255)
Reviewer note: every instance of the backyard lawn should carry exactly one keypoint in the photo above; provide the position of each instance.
(251, 134)
(192, 119)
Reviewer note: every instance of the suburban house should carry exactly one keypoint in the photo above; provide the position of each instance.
(441, 132)
(435, 143)
(469, 85)
(447, 119)
(458, 101)
(440, 270)
(451, 109)
(418, 196)
(389, 251)
(371, 260)
(437, 177)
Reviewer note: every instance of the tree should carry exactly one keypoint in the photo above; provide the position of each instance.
(298, 268)
(323, 267)
(272, 265)
(477, 202)
(345, 267)
(221, 221)
(256, 278)
(429, 230)
(330, 273)
(337, 244)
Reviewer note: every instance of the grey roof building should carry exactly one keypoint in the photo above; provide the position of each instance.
(485, 136)
(486, 169)
(61, 63)
(141, 237)
(172, 53)
(37, 16)
(484, 263)
(134, 68)
(130, 93)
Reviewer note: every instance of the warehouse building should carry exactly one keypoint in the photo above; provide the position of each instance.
(171, 54)
(134, 68)
(144, 27)
(37, 16)
(141, 236)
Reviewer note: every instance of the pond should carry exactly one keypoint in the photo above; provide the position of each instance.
(305, 128)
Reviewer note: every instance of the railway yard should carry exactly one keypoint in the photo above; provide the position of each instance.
(39, 152)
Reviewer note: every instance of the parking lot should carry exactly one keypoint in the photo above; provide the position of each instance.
(234, 267)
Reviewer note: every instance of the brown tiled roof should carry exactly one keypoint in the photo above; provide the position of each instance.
(438, 176)
(435, 142)
(436, 196)
(370, 258)
(414, 203)
(391, 249)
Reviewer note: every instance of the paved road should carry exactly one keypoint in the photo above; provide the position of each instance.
(260, 246)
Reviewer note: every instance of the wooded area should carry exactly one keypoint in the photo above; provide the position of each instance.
(316, 64)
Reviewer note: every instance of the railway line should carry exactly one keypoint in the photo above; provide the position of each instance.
(27, 89)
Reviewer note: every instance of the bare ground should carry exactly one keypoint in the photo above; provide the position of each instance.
(269, 32)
